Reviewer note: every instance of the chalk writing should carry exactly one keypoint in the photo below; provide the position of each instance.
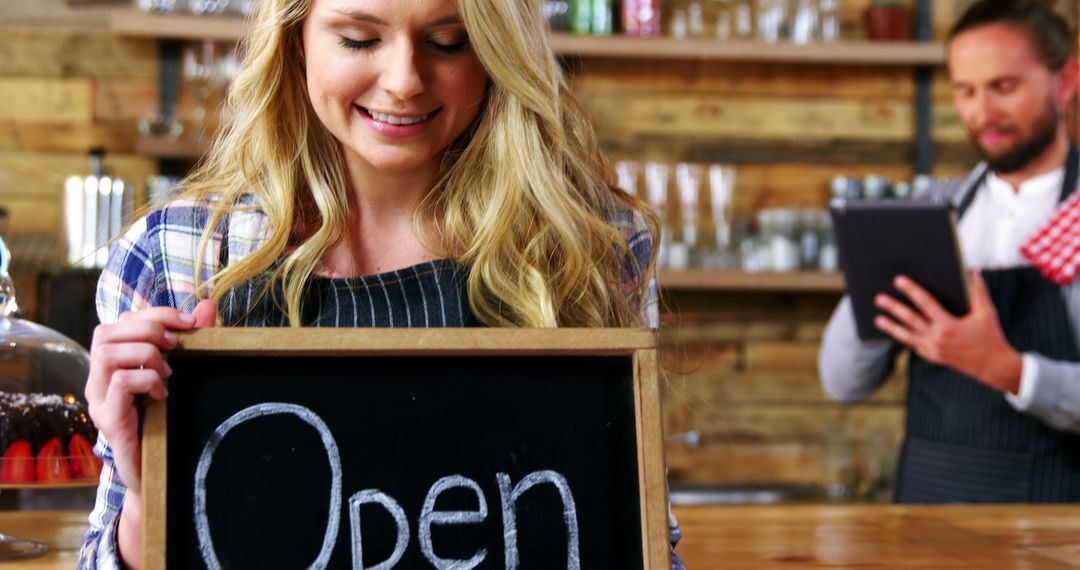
(509, 495)
(509, 499)
(202, 523)
(376, 496)
(429, 516)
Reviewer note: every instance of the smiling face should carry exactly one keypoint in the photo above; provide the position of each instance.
(394, 81)
(1010, 102)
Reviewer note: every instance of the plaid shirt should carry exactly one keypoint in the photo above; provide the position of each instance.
(153, 264)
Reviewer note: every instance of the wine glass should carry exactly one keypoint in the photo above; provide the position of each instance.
(197, 69)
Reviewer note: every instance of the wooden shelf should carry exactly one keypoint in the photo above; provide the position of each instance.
(793, 282)
(864, 53)
(166, 147)
(141, 24)
(222, 28)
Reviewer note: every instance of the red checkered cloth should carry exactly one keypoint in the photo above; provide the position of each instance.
(1055, 249)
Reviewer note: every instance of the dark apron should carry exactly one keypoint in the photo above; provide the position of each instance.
(965, 443)
(431, 294)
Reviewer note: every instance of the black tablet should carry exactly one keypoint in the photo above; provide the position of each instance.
(880, 239)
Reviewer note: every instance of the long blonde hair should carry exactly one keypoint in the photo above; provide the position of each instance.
(522, 201)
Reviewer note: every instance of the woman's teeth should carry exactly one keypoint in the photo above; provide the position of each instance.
(396, 120)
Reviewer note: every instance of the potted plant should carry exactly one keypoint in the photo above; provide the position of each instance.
(888, 20)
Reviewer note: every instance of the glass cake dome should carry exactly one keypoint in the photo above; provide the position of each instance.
(46, 436)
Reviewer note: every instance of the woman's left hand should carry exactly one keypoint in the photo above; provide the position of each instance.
(973, 344)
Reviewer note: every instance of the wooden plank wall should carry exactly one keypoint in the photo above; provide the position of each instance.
(67, 87)
(741, 370)
(740, 367)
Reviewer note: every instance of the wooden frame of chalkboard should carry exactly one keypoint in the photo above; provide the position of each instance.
(635, 349)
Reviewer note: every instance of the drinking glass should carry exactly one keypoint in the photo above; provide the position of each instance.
(197, 68)
(628, 172)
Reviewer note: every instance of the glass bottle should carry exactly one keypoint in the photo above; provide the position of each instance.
(743, 19)
(695, 18)
(680, 21)
(580, 16)
(657, 178)
(771, 20)
(724, 26)
(829, 20)
(641, 18)
(804, 21)
(810, 239)
(601, 15)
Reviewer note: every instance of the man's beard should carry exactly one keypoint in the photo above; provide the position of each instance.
(1027, 150)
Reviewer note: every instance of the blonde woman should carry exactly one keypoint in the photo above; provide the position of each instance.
(387, 163)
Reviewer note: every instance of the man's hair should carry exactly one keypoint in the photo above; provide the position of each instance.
(1047, 32)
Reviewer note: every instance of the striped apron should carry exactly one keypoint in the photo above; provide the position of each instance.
(964, 441)
(431, 294)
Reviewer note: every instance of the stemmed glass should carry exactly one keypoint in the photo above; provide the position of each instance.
(199, 71)
(207, 69)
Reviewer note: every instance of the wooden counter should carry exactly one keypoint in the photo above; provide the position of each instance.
(777, 537)
(62, 531)
(881, 536)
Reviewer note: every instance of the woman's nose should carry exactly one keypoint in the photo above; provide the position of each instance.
(401, 75)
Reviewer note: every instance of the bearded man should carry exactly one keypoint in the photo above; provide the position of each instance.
(993, 407)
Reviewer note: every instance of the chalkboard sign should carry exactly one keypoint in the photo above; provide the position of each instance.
(407, 448)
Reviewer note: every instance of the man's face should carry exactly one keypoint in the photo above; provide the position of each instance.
(1010, 102)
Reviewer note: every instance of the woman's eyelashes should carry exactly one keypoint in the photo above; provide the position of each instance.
(357, 44)
(455, 47)
(439, 46)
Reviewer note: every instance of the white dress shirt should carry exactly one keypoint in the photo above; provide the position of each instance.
(999, 221)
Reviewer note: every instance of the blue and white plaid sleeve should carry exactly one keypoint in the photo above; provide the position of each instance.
(126, 283)
(153, 265)
(641, 242)
(149, 265)
(636, 268)
(100, 548)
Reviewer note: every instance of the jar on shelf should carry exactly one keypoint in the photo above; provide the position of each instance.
(743, 19)
(641, 18)
(750, 251)
(557, 15)
(602, 17)
(875, 187)
(829, 258)
(695, 18)
(803, 27)
(581, 16)
(679, 22)
(901, 190)
(779, 232)
(772, 20)
(724, 25)
(163, 6)
(811, 224)
(829, 20)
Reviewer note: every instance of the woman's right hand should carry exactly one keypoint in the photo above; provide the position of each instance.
(126, 361)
